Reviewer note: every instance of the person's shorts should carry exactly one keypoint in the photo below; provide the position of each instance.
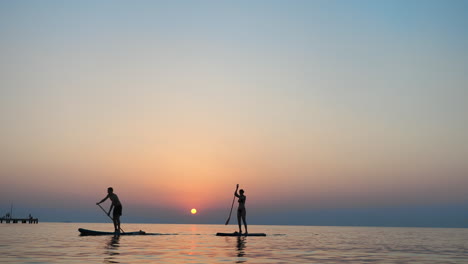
(117, 211)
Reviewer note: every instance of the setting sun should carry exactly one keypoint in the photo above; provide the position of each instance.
(193, 211)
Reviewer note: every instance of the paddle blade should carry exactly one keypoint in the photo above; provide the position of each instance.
(227, 221)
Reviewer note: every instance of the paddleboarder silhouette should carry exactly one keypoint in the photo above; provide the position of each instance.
(241, 212)
(116, 205)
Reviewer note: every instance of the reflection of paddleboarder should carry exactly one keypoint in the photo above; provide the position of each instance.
(116, 205)
(241, 212)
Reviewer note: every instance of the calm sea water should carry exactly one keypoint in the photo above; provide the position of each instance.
(61, 243)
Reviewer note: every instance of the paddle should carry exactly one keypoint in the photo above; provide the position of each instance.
(229, 218)
(110, 217)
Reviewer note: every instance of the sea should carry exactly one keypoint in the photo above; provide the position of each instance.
(182, 243)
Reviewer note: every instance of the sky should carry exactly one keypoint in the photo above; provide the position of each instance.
(325, 112)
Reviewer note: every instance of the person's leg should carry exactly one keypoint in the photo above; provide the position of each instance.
(245, 222)
(239, 221)
(117, 220)
(116, 229)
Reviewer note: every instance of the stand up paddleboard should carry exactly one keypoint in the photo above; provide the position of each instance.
(236, 234)
(87, 232)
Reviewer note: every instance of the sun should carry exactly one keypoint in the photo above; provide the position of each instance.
(193, 211)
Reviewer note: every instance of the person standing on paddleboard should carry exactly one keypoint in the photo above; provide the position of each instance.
(116, 205)
(241, 212)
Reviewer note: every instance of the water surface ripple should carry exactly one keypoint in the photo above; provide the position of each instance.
(61, 243)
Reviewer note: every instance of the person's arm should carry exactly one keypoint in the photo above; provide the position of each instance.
(235, 193)
(103, 200)
(110, 209)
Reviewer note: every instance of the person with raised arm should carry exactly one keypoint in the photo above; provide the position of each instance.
(241, 212)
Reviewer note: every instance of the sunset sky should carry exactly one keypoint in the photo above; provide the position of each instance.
(318, 109)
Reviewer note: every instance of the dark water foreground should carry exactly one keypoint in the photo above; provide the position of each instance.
(61, 243)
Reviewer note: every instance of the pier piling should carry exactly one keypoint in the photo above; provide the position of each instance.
(19, 220)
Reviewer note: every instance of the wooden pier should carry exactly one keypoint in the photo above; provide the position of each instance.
(19, 220)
